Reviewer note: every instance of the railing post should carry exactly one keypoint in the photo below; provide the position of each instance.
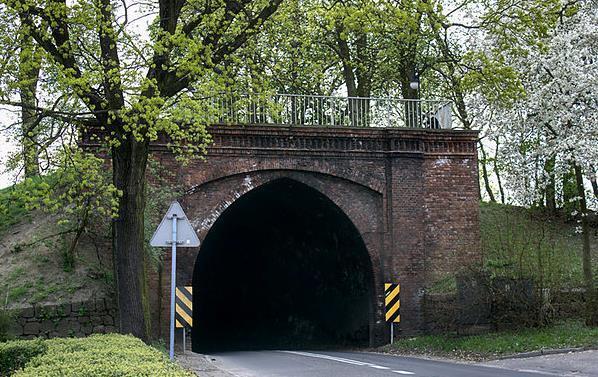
(293, 110)
(285, 109)
(333, 113)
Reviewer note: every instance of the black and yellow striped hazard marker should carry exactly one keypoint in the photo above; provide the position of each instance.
(184, 307)
(392, 302)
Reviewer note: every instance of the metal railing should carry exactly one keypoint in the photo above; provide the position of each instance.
(330, 111)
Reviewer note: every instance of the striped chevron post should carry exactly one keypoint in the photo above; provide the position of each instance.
(184, 307)
(184, 310)
(392, 304)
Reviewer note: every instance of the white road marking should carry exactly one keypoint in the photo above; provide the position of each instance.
(536, 371)
(346, 361)
(319, 356)
(378, 366)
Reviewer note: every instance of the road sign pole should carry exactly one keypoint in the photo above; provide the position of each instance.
(169, 235)
(184, 339)
(173, 284)
(392, 333)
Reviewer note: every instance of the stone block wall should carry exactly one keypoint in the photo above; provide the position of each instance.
(75, 319)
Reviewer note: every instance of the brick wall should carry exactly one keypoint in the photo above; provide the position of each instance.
(411, 194)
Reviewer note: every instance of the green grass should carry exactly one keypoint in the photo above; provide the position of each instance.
(12, 209)
(19, 292)
(96, 355)
(519, 242)
(561, 335)
(16, 274)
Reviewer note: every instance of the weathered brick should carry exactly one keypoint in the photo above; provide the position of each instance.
(411, 194)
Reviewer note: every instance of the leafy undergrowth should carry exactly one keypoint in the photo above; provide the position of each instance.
(97, 355)
(488, 346)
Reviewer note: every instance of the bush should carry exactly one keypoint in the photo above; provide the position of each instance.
(16, 354)
(5, 322)
(101, 356)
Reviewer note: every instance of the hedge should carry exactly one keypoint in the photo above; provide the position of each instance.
(102, 356)
(15, 355)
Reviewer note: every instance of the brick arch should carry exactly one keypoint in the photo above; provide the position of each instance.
(368, 175)
(206, 202)
(348, 195)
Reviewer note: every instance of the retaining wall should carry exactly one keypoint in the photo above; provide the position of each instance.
(65, 320)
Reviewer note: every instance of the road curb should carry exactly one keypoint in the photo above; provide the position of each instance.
(544, 352)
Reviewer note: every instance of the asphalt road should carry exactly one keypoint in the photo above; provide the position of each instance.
(348, 364)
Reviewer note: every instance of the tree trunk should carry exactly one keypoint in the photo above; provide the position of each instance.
(569, 191)
(592, 177)
(344, 53)
(354, 105)
(550, 192)
(29, 66)
(591, 294)
(129, 162)
(497, 172)
(483, 162)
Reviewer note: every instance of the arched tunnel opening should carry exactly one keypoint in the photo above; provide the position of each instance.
(282, 267)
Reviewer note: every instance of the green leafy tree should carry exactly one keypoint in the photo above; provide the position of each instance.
(362, 48)
(135, 71)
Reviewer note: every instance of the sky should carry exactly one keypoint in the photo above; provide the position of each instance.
(6, 147)
(137, 25)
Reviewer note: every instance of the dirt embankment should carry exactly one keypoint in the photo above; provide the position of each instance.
(34, 269)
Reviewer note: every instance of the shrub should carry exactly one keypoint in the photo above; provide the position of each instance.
(5, 321)
(101, 356)
(15, 355)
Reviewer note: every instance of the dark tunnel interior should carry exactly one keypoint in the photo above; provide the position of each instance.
(282, 267)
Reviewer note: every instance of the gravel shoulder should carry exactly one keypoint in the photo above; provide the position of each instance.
(201, 365)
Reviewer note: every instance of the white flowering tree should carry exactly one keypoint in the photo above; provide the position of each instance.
(553, 130)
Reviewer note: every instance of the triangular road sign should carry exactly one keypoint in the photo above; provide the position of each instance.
(186, 236)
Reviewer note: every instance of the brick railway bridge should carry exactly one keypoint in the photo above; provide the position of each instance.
(305, 214)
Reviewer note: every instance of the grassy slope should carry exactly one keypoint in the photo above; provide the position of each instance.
(37, 273)
(518, 241)
(565, 334)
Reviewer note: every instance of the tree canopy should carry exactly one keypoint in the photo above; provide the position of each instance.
(523, 73)
(135, 70)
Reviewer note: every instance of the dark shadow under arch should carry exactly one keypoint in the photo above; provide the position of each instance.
(282, 267)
